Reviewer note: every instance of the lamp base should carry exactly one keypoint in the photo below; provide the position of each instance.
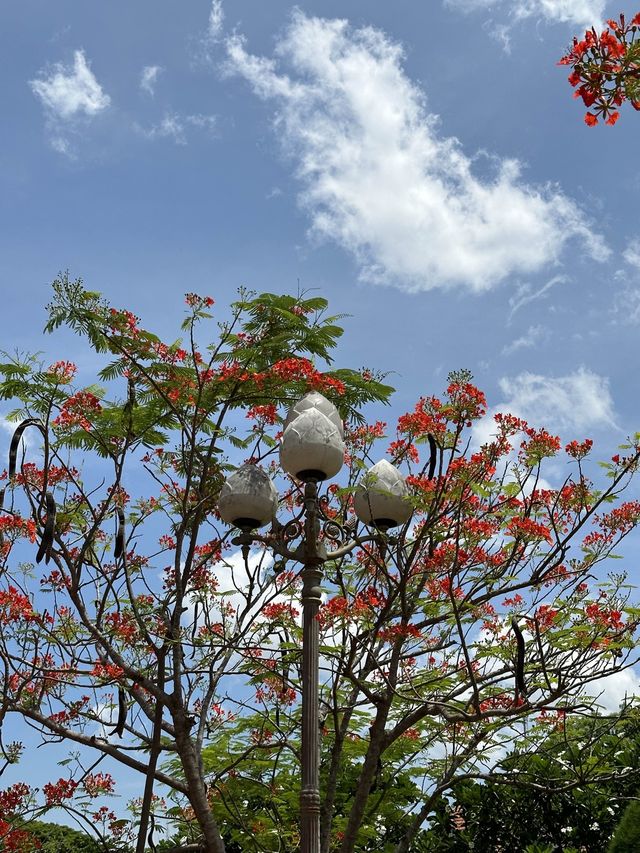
(246, 524)
(310, 474)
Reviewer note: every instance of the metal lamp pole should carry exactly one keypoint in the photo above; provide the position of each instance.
(311, 451)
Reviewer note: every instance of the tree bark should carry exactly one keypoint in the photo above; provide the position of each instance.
(212, 840)
(376, 744)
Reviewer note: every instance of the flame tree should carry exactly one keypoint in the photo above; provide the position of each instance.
(143, 636)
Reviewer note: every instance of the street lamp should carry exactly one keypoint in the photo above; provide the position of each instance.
(311, 450)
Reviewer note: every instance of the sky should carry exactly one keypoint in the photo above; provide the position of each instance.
(421, 165)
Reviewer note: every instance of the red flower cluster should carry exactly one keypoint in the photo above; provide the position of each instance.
(17, 840)
(604, 617)
(63, 371)
(395, 632)
(425, 418)
(106, 671)
(96, 784)
(195, 301)
(267, 414)
(280, 611)
(31, 475)
(497, 703)
(56, 792)
(606, 69)
(362, 604)
(301, 369)
(12, 799)
(122, 625)
(78, 410)
(545, 616)
(124, 322)
(274, 689)
(468, 402)
(361, 437)
(539, 445)
(15, 607)
(579, 449)
(527, 528)
(17, 527)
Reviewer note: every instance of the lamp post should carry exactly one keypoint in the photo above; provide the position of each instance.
(311, 451)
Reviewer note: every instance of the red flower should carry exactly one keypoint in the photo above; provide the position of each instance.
(579, 449)
(590, 120)
(613, 118)
(96, 784)
(56, 792)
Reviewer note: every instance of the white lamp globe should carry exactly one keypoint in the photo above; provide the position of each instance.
(315, 400)
(312, 447)
(248, 499)
(382, 498)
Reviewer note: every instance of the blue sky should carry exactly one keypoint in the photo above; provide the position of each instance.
(422, 165)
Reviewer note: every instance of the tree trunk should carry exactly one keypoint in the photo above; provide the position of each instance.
(212, 840)
(365, 782)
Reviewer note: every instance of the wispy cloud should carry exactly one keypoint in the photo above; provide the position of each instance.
(625, 308)
(70, 91)
(216, 20)
(579, 13)
(175, 127)
(382, 181)
(571, 405)
(532, 336)
(613, 690)
(526, 294)
(149, 78)
(631, 255)
(577, 401)
(69, 94)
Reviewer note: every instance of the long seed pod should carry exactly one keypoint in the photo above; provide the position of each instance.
(433, 447)
(118, 729)
(118, 550)
(13, 461)
(46, 543)
(15, 442)
(521, 687)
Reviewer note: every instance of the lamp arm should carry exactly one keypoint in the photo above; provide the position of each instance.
(349, 547)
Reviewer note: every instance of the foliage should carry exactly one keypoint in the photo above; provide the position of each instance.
(606, 69)
(56, 838)
(626, 838)
(480, 623)
(554, 796)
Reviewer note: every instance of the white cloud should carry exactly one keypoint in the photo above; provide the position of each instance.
(573, 404)
(216, 21)
(149, 78)
(28, 443)
(71, 97)
(171, 127)
(381, 181)
(625, 308)
(579, 400)
(207, 123)
(626, 305)
(525, 293)
(579, 13)
(68, 92)
(532, 336)
(614, 689)
(632, 255)
(175, 127)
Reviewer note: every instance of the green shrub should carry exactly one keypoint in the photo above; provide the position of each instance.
(626, 838)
